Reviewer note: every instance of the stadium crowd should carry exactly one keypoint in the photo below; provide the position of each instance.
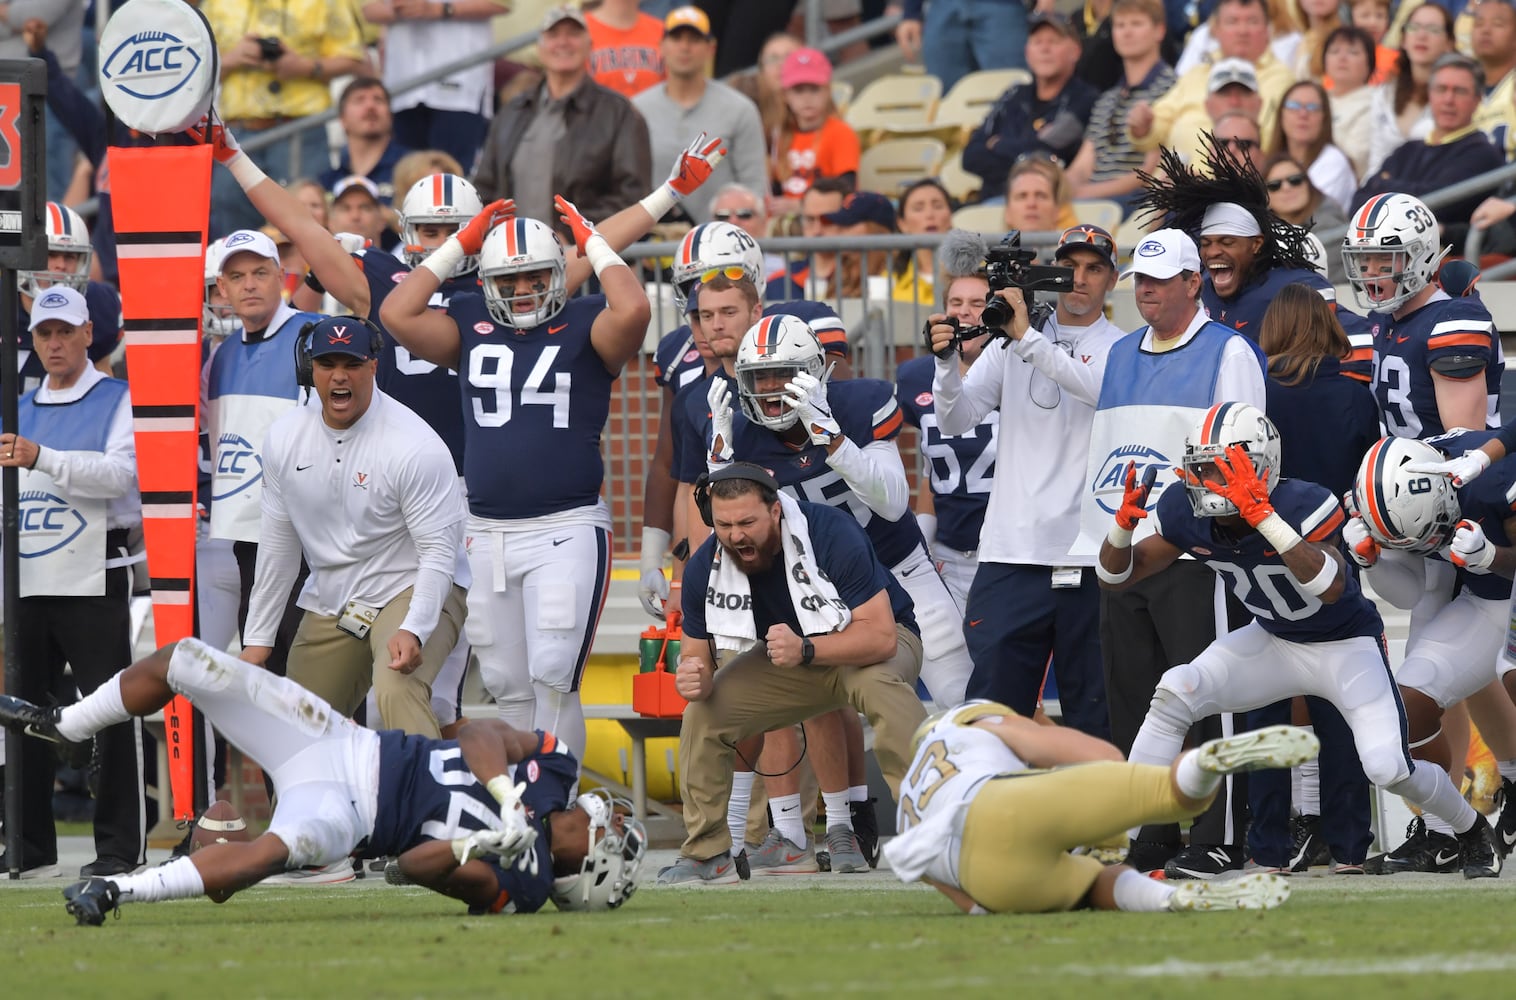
(437, 302)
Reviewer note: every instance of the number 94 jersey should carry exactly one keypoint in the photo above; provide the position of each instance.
(534, 405)
(952, 762)
(1454, 337)
(1257, 575)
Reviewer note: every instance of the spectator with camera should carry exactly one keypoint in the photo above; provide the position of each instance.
(276, 60)
(1030, 598)
(1046, 116)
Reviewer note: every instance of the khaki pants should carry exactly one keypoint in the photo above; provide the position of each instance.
(328, 662)
(751, 695)
(1020, 828)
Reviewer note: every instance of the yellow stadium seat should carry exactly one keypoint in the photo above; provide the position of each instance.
(890, 165)
(906, 101)
(1100, 212)
(842, 96)
(961, 184)
(981, 219)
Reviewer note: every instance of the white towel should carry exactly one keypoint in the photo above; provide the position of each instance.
(814, 596)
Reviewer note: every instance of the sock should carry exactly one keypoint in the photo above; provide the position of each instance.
(858, 793)
(1136, 893)
(786, 810)
(94, 712)
(1308, 799)
(1193, 781)
(837, 812)
(1437, 824)
(737, 808)
(1507, 769)
(1430, 788)
(179, 879)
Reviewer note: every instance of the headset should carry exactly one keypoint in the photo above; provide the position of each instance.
(305, 365)
(737, 470)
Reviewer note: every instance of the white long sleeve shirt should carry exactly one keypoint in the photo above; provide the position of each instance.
(1046, 386)
(375, 508)
(109, 476)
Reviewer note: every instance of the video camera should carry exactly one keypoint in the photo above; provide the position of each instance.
(1010, 265)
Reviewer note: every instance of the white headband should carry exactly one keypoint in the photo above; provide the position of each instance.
(1227, 218)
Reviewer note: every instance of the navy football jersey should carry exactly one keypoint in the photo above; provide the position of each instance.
(962, 466)
(427, 792)
(1244, 311)
(1258, 576)
(676, 360)
(865, 409)
(430, 392)
(1444, 331)
(1484, 502)
(535, 403)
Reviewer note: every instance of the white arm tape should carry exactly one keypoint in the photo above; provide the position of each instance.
(600, 255)
(1106, 576)
(247, 173)
(444, 260)
(1318, 584)
(1277, 531)
(660, 202)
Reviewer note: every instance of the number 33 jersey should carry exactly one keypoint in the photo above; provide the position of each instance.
(952, 762)
(534, 405)
(1257, 575)
(1453, 337)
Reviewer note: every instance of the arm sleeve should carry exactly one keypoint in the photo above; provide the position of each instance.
(278, 566)
(433, 509)
(876, 474)
(1080, 380)
(961, 403)
(97, 475)
(1240, 379)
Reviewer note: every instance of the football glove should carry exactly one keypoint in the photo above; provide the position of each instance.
(352, 242)
(471, 236)
(507, 845)
(652, 585)
(223, 144)
(807, 395)
(695, 165)
(1134, 497)
(1362, 547)
(1470, 549)
(719, 397)
(1462, 470)
(582, 228)
(1242, 486)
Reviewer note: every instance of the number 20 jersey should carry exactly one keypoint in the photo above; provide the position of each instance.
(534, 405)
(1257, 575)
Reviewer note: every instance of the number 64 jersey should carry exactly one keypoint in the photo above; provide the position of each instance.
(1257, 575)
(534, 405)
(953, 760)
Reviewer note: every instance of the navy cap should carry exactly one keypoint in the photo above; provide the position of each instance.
(864, 206)
(342, 335)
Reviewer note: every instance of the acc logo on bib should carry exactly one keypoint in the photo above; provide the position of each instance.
(48, 523)
(1110, 481)
(238, 465)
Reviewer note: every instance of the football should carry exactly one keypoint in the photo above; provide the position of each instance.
(219, 824)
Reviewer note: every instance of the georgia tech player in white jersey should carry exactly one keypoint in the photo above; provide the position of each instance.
(989, 813)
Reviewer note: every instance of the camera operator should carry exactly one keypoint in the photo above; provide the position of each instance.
(1030, 598)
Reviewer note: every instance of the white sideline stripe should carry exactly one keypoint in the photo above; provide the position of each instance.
(1272, 966)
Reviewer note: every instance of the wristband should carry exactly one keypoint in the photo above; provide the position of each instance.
(314, 283)
(1278, 533)
(1106, 576)
(247, 173)
(1318, 584)
(444, 260)
(1119, 537)
(660, 202)
(502, 788)
(600, 255)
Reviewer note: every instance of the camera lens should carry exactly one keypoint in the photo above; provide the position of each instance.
(996, 313)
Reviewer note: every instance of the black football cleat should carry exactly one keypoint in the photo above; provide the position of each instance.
(866, 829)
(1424, 851)
(1481, 858)
(1310, 848)
(1205, 861)
(33, 720)
(91, 900)
(1505, 826)
(1151, 855)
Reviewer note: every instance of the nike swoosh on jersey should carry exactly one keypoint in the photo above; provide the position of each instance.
(1401, 340)
(974, 621)
(557, 329)
(301, 468)
(558, 541)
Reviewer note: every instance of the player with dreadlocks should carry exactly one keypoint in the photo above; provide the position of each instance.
(1247, 251)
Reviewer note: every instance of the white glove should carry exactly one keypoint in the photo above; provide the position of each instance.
(527, 860)
(1462, 470)
(652, 585)
(1470, 549)
(482, 843)
(807, 394)
(352, 242)
(1361, 545)
(928, 525)
(719, 396)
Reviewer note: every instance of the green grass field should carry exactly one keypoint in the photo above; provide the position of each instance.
(1407, 936)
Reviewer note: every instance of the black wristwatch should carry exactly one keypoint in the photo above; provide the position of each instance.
(807, 651)
(447, 12)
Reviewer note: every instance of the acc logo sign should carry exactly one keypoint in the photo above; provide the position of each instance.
(48, 523)
(1110, 480)
(151, 65)
(237, 465)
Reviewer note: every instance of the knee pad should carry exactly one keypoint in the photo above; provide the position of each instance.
(1169, 704)
(1385, 766)
(195, 667)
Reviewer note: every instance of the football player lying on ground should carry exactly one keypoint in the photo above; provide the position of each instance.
(989, 813)
(1314, 632)
(484, 818)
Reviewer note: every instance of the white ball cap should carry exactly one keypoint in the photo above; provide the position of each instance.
(248, 241)
(1163, 254)
(62, 303)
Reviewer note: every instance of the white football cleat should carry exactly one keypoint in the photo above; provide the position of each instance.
(1272, 746)
(1258, 891)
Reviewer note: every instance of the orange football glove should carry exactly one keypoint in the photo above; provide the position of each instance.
(471, 236)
